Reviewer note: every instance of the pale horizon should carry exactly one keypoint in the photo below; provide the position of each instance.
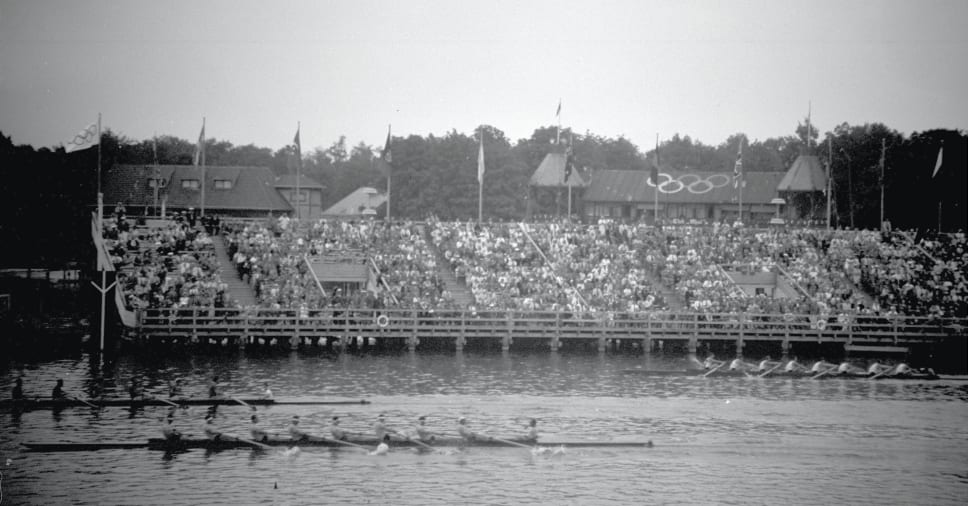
(632, 69)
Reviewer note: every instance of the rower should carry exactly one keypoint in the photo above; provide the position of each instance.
(821, 366)
(846, 367)
(295, 432)
(17, 393)
(738, 365)
(213, 387)
(901, 369)
(465, 432)
(793, 366)
(258, 433)
(169, 431)
(877, 368)
(423, 433)
(267, 392)
(532, 434)
(174, 389)
(134, 391)
(766, 364)
(379, 427)
(384, 447)
(711, 362)
(335, 430)
(211, 432)
(58, 392)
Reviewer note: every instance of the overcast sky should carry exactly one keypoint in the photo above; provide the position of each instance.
(634, 68)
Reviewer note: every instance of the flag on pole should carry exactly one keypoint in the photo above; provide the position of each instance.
(386, 158)
(298, 145)
(654, 176)
(558, 112)
(83, 139)
(937, 165)
(200, 147)
(154, 149)
(738, 166)
(480, 160)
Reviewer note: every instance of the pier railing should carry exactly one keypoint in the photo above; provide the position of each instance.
(463, 326)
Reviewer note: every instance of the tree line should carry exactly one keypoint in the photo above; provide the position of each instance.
(47, 193)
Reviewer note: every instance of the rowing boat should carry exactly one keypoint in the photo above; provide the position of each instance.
(138, 403)
(208, 444)
(794, 375)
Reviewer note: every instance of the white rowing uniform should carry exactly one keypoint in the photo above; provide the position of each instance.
(902, 368)
(210, 431)
(532, 433)
(791, 366)
(465, 432)
(267, 394)
(765, 364)
(874, 368)
(710, 363)
(170, 432)
(843, 368)
(818, 366)
(735, 364)
(423, 433)
(295, 432)
(258, 433)
(336, 431)
(379, 428)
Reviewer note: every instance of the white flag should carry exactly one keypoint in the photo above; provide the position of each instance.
(83, 140)
(937, 165)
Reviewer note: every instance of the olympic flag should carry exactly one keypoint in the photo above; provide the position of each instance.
(84, 139)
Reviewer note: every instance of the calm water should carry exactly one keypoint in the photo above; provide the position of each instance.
(718, 440)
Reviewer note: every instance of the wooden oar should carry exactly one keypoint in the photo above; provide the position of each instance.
(512, 443)
(250, 442)
(885, 371)
(824, 372)
(159, 399)
(240, 401)
(339, 441)
(714, 369)
(777, 366)
(414, 441)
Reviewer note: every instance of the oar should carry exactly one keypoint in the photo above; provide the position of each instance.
(250, 442)
(714, 369)
(339, 441)
(414, 441)
(824, 372)
(512, 443)
(240, 401)
(85, 402)
(777, 366)
(159, 399)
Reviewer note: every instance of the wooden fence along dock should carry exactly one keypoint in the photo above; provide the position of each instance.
(455, 329)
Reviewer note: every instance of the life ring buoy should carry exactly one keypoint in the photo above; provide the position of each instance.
(788, 317)
(822, 324)
(382, 321)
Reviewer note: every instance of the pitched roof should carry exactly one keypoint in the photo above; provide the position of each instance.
(805, 175)
(252, 188)
(289, 181)
(358, 201)
(551, 172)
(681, 187)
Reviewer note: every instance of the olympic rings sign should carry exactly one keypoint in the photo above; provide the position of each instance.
(689, 182)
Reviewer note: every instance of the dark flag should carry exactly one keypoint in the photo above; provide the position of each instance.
(386, 158)
(654, 176)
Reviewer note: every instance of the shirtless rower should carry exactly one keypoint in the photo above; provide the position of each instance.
(423, 433)
(258, 433)
(335, 430)
(384, 447)
(17, 393)
(58, 392)
(532, 434)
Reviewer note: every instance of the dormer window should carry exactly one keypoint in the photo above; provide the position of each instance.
(223, 184)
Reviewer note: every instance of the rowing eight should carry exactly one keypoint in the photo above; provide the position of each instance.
(137, 403)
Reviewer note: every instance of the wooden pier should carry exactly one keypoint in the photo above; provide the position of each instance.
(340, 329)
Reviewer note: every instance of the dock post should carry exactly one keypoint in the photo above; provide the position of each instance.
(785, 347)
(506, 342)
(693, 345)
(461, 338)
(556, 339)
(739, 340)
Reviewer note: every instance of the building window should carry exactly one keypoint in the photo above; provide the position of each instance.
(223, 184)
(190, 184)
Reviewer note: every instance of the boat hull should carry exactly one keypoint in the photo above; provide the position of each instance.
(788, 375)
(140, 403)
(228, 443)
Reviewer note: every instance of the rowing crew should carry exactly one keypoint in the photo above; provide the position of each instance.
(419, 433)
(819, 367)
(135, 390)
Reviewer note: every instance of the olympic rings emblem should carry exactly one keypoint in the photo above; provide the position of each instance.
(692, 183)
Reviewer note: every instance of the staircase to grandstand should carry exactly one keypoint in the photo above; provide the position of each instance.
(238, 290)
(671, 297)
(459, 292)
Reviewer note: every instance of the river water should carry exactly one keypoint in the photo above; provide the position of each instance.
(717, 440)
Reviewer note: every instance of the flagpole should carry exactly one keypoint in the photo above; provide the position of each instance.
(201, 155)
(100, 196)
(558, 132)
(830, 161)
(741, 178)
(656, 182)
(883, 149)
(389, 171)
(298, 165)
(480, 177)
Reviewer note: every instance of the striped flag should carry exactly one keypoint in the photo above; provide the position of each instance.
(82, 140)
(480, 160)
(937, 165)
(200, 147)
(738, 166)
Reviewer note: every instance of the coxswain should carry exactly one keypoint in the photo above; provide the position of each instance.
(17, 393)
(169, 431)
(213, 387)
(134, 390)
(423, 433)
(384, 447)
(846, 368)
(211, 432)
(258, 433)
(58, 392)
(335, 430)
(532, 434)
(266, 392)
(380, 427)
(295, 432)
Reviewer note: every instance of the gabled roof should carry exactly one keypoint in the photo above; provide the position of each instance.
(551, 172)
(357, 203)
(289, 181)
(805, 175)
(681, 187)
(252, 187)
